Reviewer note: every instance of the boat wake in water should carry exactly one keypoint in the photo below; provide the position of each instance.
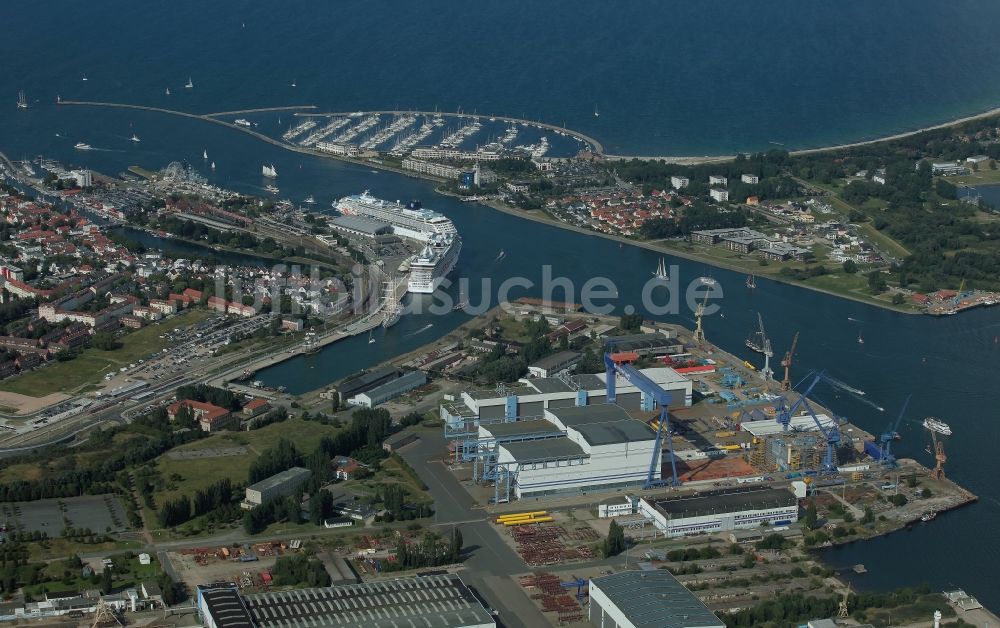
(421, 330)
(836, 383)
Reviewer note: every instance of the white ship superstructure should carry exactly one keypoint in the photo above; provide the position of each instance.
(439, 240)
(408, 221)
(433, 263)
(937, 426)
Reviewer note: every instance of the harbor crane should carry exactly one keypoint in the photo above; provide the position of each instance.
(765, 348)
(783, 415)
(654, 393)
(786, 363)
(886, 459)
(939, 457)
(699, 313)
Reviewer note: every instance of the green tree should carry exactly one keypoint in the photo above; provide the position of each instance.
(811, 516)
(876, 282)
(850, 266)
(107, 581)
(455, 545)
(614, 544)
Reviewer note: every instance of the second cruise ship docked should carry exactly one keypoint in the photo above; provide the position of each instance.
(440, 242)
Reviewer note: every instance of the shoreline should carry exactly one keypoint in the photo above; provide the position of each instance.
(519, 213)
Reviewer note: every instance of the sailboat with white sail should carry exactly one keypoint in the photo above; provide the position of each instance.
(22, 101)
(190, 84)
(269, 171)
(661, 271)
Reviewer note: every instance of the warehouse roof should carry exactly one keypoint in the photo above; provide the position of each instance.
(548, 385)
(603, 424)
(370, 379)
(640, 342)
(556, 360)
(295, 473)
(655, 599)
(441, 601)
(726, 502)
(359, 224)
(225, 605)
(516, 428)
(544, 449)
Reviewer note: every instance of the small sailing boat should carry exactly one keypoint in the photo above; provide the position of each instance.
(204, 154)
(213, 165)
(168, 91)
(310, 200)
(661, 271)
(597, 114)
(84, 78)
(751, 282)
(269, 171)
(371, 338)
(500, 256)
(293, 83)
(190, 84)
(861, 340)
(134, 138)
(22, 101)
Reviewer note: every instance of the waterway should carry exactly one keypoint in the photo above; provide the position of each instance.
(881, 60)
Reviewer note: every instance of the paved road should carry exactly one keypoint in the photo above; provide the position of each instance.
(491, 562)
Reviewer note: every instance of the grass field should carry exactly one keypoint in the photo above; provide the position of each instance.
(184, 477)
(91, 365)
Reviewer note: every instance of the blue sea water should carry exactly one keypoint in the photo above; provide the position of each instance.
(668, 78)
(711, 77)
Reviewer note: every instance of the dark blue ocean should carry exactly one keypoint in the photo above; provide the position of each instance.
(698, 78)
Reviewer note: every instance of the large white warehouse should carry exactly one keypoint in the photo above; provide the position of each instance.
(721, 511)
(598, 447)
(530, 398)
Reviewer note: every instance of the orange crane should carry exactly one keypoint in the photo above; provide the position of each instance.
(940, 457)
(786, 384)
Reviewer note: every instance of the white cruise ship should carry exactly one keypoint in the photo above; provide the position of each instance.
(408, 221)
(433, 263)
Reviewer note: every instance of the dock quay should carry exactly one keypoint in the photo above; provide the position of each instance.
(593, 144)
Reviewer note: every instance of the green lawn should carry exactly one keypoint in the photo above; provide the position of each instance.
(92, 364)
(196, 474)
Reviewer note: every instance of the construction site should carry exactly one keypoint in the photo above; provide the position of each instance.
(695, 423)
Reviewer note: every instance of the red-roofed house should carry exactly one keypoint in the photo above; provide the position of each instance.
(256, 407)
(211, 417)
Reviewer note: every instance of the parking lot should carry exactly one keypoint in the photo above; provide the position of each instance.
(191, 343)
(98, 513)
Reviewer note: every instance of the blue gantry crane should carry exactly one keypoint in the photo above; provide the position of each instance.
(783, 415)
(579, 584)
(652, 395)
(886, 459)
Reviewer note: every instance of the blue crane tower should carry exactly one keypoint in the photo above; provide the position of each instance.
(783, 415)
(886, 459)
(652, 394)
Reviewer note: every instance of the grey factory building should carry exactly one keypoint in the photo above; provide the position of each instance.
(646, 599)
(278, 485)
(438, 601)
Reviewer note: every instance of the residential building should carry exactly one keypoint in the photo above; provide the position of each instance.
(719, 195)
(209, 416)
(679, 183)
(718, 179)
(752, 179)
